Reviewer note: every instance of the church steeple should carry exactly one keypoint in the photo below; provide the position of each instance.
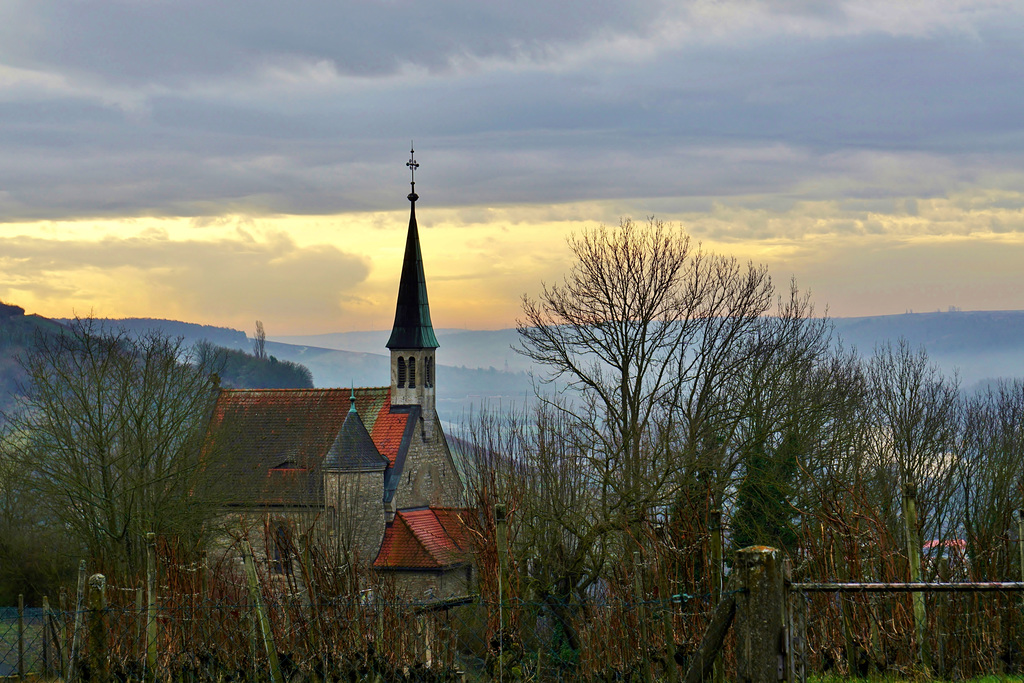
(412, 341)
(412, 328)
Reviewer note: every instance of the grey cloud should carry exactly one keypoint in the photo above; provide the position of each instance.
(867, 115)
(169, 42)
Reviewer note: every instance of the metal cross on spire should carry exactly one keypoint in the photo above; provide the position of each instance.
(413, 165)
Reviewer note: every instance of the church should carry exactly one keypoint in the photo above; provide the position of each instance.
(371, 466)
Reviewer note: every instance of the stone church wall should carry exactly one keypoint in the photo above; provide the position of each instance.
(429, 477)
(434, 585)
(355, 512)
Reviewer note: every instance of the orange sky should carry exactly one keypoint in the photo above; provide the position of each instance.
(313, 274)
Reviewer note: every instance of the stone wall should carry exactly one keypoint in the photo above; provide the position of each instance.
(429, 477)
(354, 513)
(434, 585)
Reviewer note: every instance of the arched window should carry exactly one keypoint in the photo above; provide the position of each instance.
(412, 372)
(428, 372)
(401, 372)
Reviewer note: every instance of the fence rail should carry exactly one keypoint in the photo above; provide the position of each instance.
(909, 587)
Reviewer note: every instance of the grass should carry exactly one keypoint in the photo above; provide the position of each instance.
(832, 678)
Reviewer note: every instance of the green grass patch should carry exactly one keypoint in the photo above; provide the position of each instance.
(834, 678)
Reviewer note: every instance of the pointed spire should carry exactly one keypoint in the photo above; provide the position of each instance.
(353, 448)
(412, 329)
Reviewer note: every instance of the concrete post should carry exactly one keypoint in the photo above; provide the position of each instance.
(79, 609)
(99, 668)
(1020, 540)
(715, 526)
(760, 616)
(151, 625)
(914, 557)
(501, 540)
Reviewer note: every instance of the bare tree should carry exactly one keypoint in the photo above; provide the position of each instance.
(613, 332)
(991, 476)
(259, 341)
(648, 333)
(111, 429)
(915, 420)
(785, 399)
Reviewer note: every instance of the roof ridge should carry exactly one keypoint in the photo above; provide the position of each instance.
(304, 389)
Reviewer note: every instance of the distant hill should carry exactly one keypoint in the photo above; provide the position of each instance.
(979, 344)
(480, 376)
(462, 348)
(190, 332)
(17, 334)
(477, 366)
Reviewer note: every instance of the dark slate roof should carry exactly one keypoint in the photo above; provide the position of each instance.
(426, 538)
(268, 446)
(412, 329)
(354, 449)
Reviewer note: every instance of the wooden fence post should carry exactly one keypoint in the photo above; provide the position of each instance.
(715, 526)
(501, 540)
(641, 617)
(47, 648)
(940, 655)
(1020, 540)
(62, 640)
(796, 650)
(77, 626)
(261, 615)
(151, 626)
(138, 648)
(21, 637)
(1019, 514)
(914, 557)
(99, 669)
(56, 635)
(671, 668)
(703, 660)
(760, 615)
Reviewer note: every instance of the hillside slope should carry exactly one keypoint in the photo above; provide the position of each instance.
(17, 334)
(979, 344)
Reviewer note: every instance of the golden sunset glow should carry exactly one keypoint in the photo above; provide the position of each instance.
(312, 274)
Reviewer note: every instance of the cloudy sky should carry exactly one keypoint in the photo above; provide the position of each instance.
(222, 162)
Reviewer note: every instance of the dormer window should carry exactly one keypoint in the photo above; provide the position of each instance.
(412, 372)
(401, 372)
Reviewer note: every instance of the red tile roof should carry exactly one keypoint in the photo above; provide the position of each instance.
(426, 538)
(259, 433)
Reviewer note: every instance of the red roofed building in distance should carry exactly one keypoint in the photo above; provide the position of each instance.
(372, 466)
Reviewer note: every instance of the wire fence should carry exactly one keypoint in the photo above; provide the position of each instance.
(969, 630)
(374, 636)
(366, 638)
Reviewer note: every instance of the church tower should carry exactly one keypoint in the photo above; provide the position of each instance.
(412, 341)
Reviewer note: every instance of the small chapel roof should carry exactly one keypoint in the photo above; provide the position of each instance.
(354, 448)
(425, 538)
